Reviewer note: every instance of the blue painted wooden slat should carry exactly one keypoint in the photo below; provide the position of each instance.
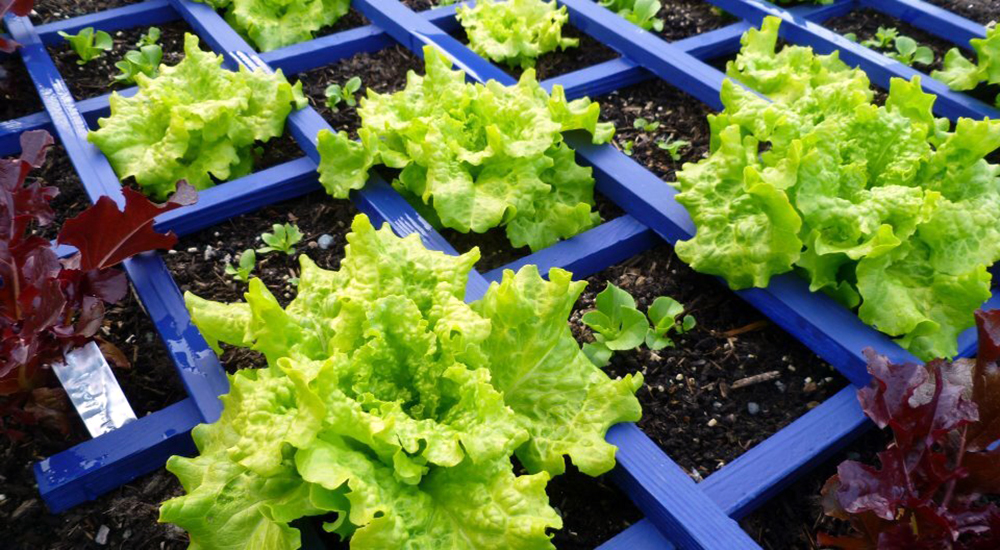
(935, 20)
(880, 68)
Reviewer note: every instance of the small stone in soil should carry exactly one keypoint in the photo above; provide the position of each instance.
(102, 535)
(325, 241)
(753, 408)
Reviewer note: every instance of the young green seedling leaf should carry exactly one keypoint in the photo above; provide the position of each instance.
(884, 38)
(908, 52)
(151, 37)
(673, 147)
(645, 125)
(87, 44)
(336, 93)
(663, 315)
(627, 147)
(145, 60)
(284, 239)
(853, 37)
(616, 323)
(247, 261)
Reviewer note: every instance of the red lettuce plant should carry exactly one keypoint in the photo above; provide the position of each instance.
(932, 488)
(49, 305)
(17, 7)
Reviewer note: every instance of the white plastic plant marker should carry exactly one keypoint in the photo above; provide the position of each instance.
(93, 390)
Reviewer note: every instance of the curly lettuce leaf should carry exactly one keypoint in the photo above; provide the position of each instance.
(641, 13)
(273, 24)
(195, 121)
(885, 208)
(482, 156)
(959, 73)
(394, 404)
(515, 32)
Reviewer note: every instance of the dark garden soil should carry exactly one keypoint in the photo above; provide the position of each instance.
(686, 18)
(559, 62)
(865, 23)
(54, 10)
(58, 172)
(697, 403)
(982, 11)
(129, 513)
(97, 77)
(791, 520)
(17, 93)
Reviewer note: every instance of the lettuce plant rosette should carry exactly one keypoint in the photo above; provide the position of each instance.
(195, 121)
(273, 24)
(515, 32)
(473, 157)
(959, 73)
(886, 208)
(393, 407)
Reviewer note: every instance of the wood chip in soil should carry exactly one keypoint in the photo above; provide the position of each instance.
(980, 11)
(792, 519)
(18, 97)
(97, 77)
(54, 10)
(559, 62)
(693, 406)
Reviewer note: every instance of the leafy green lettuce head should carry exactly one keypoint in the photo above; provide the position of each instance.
(885, 208)
(273, 24)
(390, 401)
(480, 156)
(515, 32)
(961, 74)
(195, 121)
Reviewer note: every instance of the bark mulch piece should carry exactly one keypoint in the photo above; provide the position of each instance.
(686, 18)
(55, 10)
(589, 52)
(866, 22)
(981, 11)
(18, 97)
(383, 71)
(97, 77)
(792, 519)
(690, 406)
(130, 512)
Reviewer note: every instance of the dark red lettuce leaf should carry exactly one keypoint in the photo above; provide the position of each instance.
(928, 491)
(123, 234)
(17, 7)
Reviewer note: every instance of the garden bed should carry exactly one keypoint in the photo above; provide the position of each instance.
(981, 11)
(55, 10)
(18, 97)
(686, 18)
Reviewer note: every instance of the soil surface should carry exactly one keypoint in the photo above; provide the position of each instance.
(686, 18)
(54, 10)
(589, 52)
(97, 77)
(17, 93)
(982, 11)
(791, 520)
(58, 172)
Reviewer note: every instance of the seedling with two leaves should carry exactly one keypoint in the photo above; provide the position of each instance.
(88, 44)
(245, 267)
(673, 147)
(335, 93)
(645, 125)
(618, 325)
(145, 60)
(902, 48)
(283, 239)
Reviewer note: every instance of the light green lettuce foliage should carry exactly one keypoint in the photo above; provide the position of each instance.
(273, 24)
(515, 32)
(474, 156)
(960, 73)
(195, 121)
(885, 208)
(639, 12)
(390, 401)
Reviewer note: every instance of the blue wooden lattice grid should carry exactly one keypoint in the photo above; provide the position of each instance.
(678, 511)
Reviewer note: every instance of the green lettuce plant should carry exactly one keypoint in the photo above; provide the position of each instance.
(908, 52)
(335, 93)
(273, 24)
(616, 323)
(87, 44)
(664, 317)
(195, 121)
(150, 37)
(960, 73)
(645, 125)
(145, 60)
(640, 12)
(392, 407)
(673, 147)
(472, 156)
(515, 32)
(886, 208)
(241, 272)
(283, 239)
